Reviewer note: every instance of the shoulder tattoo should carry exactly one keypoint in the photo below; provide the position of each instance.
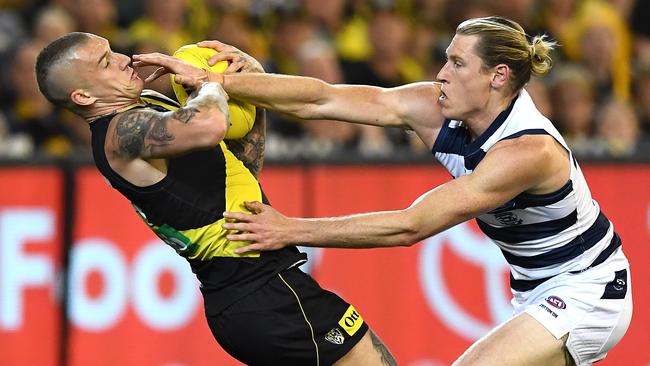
(140, 132)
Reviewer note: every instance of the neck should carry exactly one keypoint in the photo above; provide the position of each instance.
(102, 110)
(485, 117)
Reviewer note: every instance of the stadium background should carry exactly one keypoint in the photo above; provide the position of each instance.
(83, 282)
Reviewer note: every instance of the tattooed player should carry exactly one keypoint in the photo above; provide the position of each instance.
(172, 163)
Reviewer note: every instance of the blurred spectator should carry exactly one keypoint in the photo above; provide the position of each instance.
(345, 23)
(573, 102)
(329, 15)
(232, 28)
(51, 23)
(597, 45)
(556, 16)
(12, 33)
(540, 94)
(617, 129)
(624, 8)
(54, 132)
(292, 32)
(162, 27)
(598, 38)
(390, 65)
(431, 34)
(317, 58)
(100, 17)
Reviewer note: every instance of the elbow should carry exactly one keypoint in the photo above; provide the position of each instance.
(213, 131)
(411, 237)
(311, 106)
(412, 232)
(307, 111)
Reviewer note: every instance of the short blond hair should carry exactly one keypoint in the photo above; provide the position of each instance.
(503, 41)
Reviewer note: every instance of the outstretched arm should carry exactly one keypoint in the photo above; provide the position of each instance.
(506, 171)
(412, 106)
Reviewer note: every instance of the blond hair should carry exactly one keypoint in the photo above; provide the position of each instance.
(503, 41)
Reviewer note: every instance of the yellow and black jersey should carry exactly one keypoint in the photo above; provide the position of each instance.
(185, 210)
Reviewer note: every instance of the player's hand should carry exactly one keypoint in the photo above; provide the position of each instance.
(239, 61)
(265, 229)
(185, 74)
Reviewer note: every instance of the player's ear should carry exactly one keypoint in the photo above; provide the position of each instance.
(500, 76)
(82, 97)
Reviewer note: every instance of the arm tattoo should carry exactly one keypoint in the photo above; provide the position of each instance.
(386, 357)
(139, 133)
(184, 114)
(250, 148)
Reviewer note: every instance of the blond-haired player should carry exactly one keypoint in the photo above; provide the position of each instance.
(512, 171)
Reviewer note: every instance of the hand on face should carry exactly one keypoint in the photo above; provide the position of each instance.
(238, 60)
(189, 76)
(264, 229)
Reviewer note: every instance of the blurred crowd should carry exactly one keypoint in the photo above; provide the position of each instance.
(597, 94)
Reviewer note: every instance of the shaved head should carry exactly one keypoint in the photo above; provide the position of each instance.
(53, 63)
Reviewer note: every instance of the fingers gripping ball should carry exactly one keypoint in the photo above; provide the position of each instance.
(242, 115)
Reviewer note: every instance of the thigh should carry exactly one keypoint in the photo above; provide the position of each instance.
(289, 321)
(370, 351)
(520, 341)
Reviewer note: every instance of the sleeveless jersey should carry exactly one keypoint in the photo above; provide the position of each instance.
(185, 210)
(540, 235)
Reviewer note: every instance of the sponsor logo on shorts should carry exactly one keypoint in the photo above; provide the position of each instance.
(335, 336)
(556, 302)
(548, 310)
(351, 321)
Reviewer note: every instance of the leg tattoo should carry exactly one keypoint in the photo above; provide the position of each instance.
(386, 357)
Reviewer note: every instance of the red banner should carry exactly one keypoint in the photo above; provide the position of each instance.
(30, 257)
(135, 302)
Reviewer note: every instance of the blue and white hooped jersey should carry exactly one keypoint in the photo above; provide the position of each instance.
(540, 235)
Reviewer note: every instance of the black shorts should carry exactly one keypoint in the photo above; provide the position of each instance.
(289, 321)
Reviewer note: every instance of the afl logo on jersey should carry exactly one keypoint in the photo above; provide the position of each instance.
(556, 302)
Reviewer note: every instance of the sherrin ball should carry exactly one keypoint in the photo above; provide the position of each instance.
(242, 115)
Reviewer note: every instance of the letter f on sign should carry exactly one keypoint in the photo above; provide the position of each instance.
(18, 269)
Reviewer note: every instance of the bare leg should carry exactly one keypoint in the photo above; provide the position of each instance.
(370, 351)
(519, 341)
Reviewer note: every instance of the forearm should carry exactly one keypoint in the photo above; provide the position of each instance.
(432, 213)
(293, 95)
(310, 98)
(368, 230)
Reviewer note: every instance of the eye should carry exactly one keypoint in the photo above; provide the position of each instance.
(457, 64)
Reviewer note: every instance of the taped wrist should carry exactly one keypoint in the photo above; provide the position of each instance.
(213, 93)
